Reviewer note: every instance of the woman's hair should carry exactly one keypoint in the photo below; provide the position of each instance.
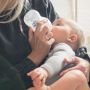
(78, 30)
(11, 9)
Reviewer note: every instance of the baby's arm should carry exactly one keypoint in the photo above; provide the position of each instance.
(39, 76)
(55, 61)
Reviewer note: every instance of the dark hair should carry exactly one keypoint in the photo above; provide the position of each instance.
(82, 52)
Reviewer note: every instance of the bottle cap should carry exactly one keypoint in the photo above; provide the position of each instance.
(31, 18)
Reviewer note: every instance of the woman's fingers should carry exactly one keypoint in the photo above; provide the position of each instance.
(71, 60)
(30, 34)
(78, 67)
(51, 41)
(81, 65)
(39, 25)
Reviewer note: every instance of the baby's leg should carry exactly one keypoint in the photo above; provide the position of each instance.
(72, 80)
(32, 88)
(44, 87)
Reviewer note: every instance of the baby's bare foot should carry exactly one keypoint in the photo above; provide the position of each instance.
(32, 88)
(44, 87)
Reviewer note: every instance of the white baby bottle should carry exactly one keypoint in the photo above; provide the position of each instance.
(31, 18)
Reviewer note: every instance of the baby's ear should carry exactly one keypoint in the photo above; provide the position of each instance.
(72, 38)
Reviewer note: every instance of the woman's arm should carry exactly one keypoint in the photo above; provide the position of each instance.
(81, 64)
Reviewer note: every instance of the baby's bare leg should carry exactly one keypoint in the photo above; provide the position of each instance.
(73, 80)
(44, 87)
(31, 88)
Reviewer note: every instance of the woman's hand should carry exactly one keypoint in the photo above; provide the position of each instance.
(81, 65)
(40, 41)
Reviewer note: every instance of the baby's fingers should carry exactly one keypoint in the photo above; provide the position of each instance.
(33, 74)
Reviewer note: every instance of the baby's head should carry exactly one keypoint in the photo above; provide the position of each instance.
(68, 31)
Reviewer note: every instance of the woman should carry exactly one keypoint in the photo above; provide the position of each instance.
(23, 49)
(14, 45)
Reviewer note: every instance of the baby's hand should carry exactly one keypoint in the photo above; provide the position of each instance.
(38, 76)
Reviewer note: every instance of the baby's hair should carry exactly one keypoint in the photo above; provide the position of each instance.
(78, 30)
(7, 7)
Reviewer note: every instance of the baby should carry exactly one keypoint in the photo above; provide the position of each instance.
(68, 38)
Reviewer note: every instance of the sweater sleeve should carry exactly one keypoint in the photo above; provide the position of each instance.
(24, 67)
(55, 62)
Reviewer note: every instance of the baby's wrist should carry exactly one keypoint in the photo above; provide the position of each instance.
(46, 74)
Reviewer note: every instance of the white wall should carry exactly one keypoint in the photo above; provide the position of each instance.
(63, 7)
(83, 17)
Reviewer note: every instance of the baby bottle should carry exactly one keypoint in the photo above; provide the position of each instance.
(31, 18)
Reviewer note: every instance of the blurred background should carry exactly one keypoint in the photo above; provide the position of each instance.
(77, 10)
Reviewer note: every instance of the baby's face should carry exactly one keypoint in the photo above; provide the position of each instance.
(61, 32)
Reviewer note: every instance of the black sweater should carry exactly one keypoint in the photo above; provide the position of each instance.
(9, 77)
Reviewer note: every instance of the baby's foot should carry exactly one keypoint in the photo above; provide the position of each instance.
(32, 88)
(44, 87)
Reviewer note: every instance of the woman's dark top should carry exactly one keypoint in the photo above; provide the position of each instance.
(9, 77)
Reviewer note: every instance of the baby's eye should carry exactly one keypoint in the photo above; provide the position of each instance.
(59, 24)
